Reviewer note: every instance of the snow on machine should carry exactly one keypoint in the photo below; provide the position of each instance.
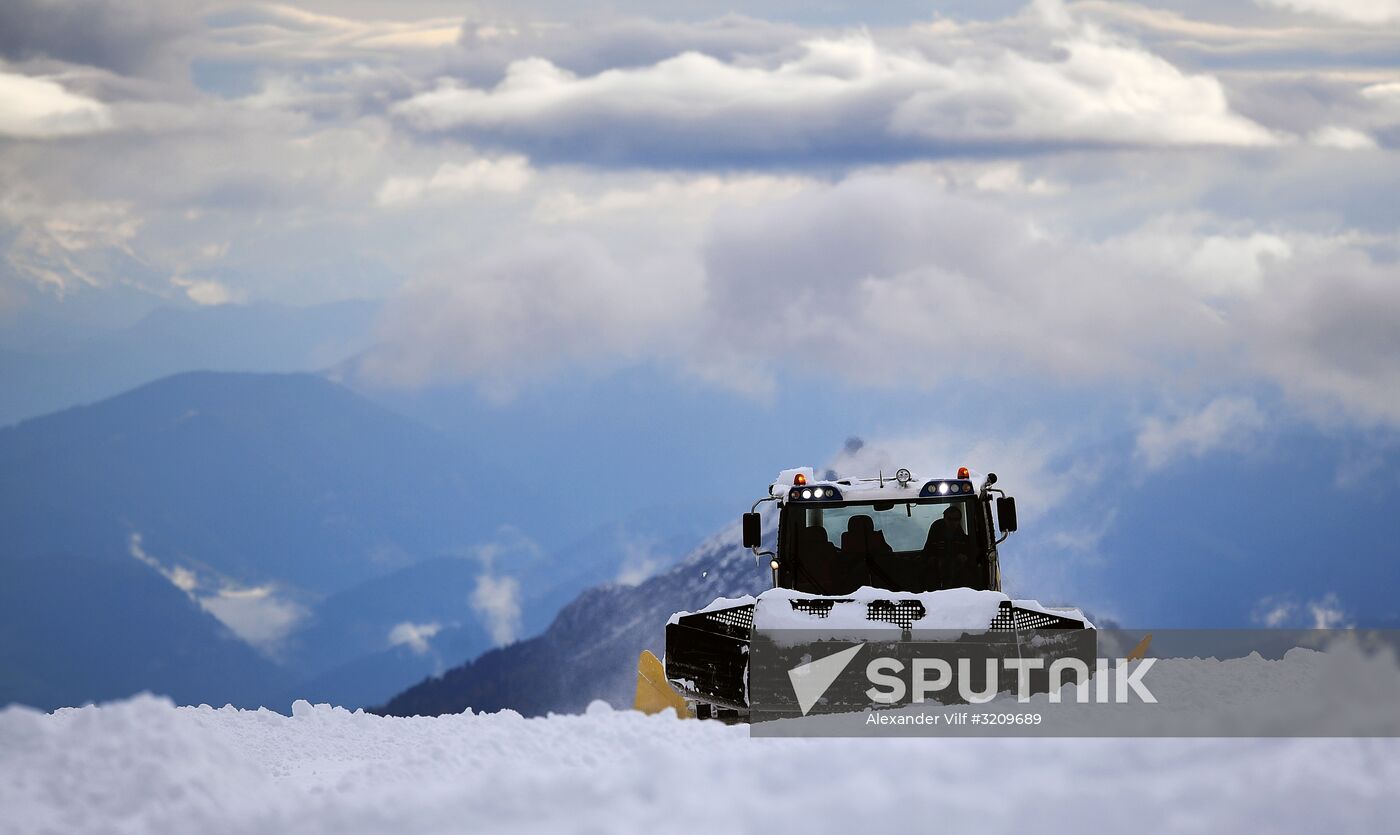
(907, 558)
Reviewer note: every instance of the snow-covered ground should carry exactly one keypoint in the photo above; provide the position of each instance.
(143, 765)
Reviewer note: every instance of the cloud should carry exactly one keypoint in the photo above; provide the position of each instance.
(831, 280)
(639, 560)
(67, 246)
(1327, 613)
(598, 43)
(415, 636)
(694, 196)
(1325, 332)
(496, 597)
(502, 175)
(127, 36)
(826, 277)
(1029, 463)
(204, 291)
(1273, 612)
(536, 303)
(1266, 43)
(263, 34)
(1347, 139)
(828, 281)
(845, 98)
(1224, 423)
(181, 578)
(40, 108)
(1384, 91)
(1286, 612)
(496, 600)
(258, 615)
(1352, 11)
(1118, 209)
(1056, 548)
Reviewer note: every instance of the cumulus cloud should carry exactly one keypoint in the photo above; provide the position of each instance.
(40, 108)
(845, 98)
(832, 279)
(1325, 333)
(1119, 208)
(415, 636)
(827, 279)
(1225, 423)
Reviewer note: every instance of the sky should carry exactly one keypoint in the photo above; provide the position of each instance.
(1117, 250)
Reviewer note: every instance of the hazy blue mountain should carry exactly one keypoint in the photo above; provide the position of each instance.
(374, 677)
(362, 519)
(646, 541)
(625, 439)
(347, 636)
(590, 650)
(261, 337)
(358, 621)
(76, 630)
(248, 477)
(285, 482)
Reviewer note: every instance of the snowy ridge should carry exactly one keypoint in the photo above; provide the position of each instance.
(145, 766)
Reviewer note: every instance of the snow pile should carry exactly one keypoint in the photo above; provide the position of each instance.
(145, 766)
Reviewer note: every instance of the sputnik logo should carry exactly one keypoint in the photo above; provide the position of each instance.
(811, 680)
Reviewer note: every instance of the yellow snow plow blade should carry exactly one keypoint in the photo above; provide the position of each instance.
(654, 692)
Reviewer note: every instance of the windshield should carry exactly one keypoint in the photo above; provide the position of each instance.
(901, 546)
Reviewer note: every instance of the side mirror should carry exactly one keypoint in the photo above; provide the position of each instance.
(753, 530)
(1006, 514)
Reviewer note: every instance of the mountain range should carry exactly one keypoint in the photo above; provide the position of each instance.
(590, 650)
(257, 538)
(91, 363)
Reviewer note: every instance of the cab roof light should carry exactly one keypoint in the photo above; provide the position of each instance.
(944, 488)
(820, 492)
(799, 479)
(963, 472)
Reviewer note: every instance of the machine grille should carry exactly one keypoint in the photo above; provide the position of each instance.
(815, 608)
(1010, 618)
(901, 613)
(740, 617)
